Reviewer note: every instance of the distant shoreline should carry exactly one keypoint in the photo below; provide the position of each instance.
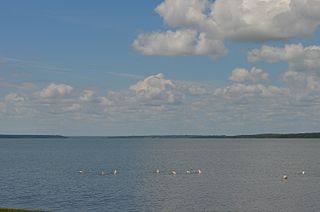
(31, 136)
(265, 135)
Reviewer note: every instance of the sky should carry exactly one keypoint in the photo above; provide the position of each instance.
(159, 67)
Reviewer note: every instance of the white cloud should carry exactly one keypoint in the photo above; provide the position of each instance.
(14, 104)
(180, 42)
(253, 90)
(303, 62)
(56, 90)
(158, 102)
(194, 89)
(152, 85)
(168, 43)
(87, 96)
(199, 22)
(14, 97)
(244, 75)
(274, 54)
(155, 87)
(313, 84)
(293, 76)
(252, 20)
(105, 102)
(178, 13)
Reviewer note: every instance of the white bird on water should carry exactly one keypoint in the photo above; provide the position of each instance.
(80, 171)
(303, 172)
(285, 177)
(115, 172)
(173, 172)
(199, 171)
(188, 172)
(157, 171)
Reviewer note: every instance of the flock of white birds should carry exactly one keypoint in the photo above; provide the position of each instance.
(157, 171)
(172, 172)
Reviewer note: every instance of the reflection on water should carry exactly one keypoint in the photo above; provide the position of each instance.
(237, 175)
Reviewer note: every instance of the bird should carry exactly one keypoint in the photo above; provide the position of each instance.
(303, 172)
(199, 171)
(103, 173)
(157, 171)
(285, 177)
(80, 171)
(115, 172)
(188, 172)
(173, 172)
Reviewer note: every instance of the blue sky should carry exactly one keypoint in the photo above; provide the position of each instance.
(159, 67)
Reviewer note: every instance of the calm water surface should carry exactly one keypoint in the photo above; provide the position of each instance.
(238, 174)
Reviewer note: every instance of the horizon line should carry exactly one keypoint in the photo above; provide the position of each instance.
(257, 135)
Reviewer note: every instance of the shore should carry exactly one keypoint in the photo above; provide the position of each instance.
(18, 210)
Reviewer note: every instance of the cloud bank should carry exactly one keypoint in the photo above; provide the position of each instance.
(248, 100)
(200, 27)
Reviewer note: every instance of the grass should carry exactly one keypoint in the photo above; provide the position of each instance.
(17, 210)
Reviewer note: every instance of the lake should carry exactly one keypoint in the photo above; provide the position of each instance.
(237, 174)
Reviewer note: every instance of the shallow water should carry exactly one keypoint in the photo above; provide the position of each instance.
(238, 174)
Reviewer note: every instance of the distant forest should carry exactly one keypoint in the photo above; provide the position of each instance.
(266, 135)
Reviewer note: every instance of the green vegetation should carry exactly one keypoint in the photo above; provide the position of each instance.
(17, 210)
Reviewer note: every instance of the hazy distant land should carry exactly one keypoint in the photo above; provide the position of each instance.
(31, 136)
(265, 135)
(17, 210)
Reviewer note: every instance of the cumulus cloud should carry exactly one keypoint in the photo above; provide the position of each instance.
(303, 62)
(201, 23)
(303, 74)
(183, 13)
(87, 96)
(265, 19)
(274, 54)
(248, 99)
(14, 104)
(300, 58)
(247, 83)
(56, 90)
(155, 87)
(293, 76)
(152, 85)
(168, 43)
(244, 75)
(180, 42)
